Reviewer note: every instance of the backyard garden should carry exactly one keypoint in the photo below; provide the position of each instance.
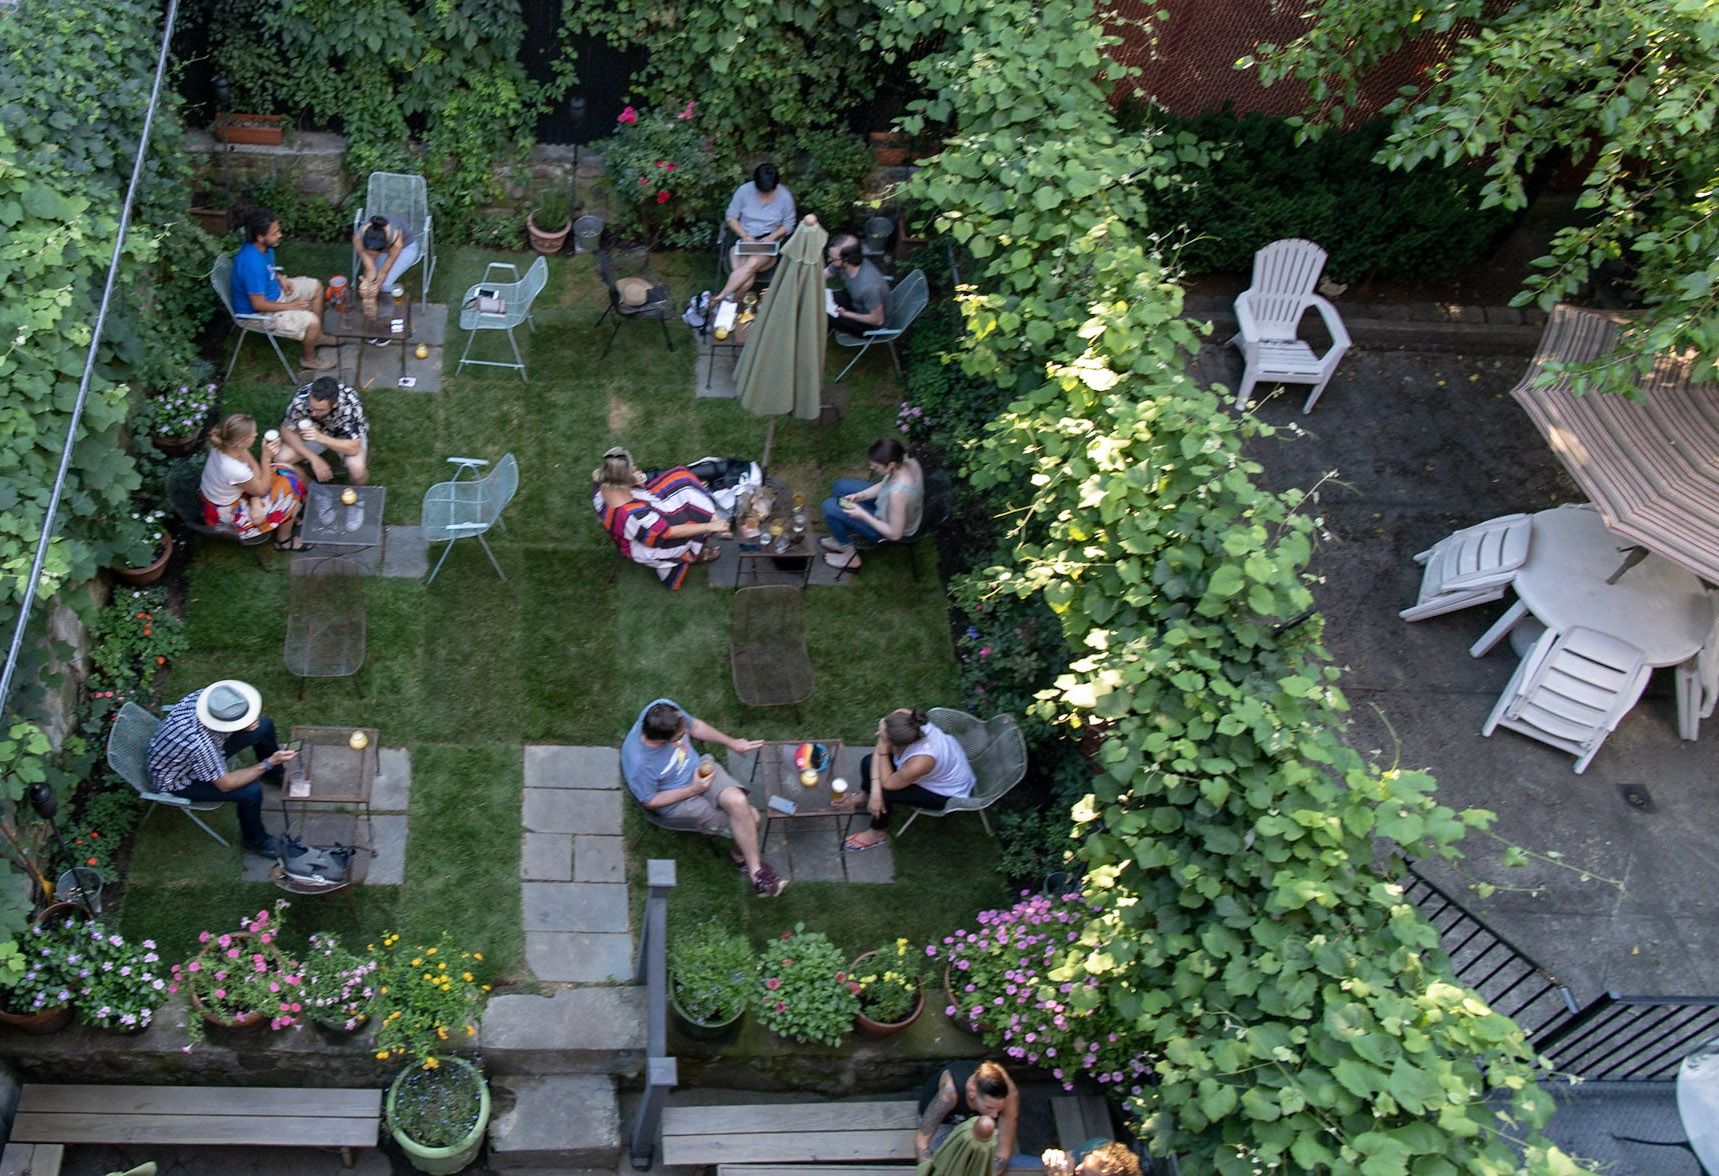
(1234, 966)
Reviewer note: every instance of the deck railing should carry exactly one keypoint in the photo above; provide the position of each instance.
(1631, 1038)
(651, 970)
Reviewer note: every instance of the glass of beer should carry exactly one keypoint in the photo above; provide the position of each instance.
(706, 768)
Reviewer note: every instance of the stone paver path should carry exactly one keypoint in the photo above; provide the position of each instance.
(573, 866)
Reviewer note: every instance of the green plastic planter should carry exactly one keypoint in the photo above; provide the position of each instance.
(442, 1161)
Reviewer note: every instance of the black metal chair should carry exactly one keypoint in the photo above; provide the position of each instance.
(657, 304)
(183, 479)
(939, 502)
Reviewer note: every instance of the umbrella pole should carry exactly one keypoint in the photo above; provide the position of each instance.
(769, 441)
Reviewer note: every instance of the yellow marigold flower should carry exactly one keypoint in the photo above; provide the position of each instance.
(429, 977)
(417, 963)
(382, 1056)
(442, 1032)
(471, 1030)
(431, 1064)
(466, 976)
(486, 988)
(477, 955)
(430, 951)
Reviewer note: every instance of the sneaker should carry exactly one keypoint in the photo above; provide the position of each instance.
(354, 517)
(378, 342)
(319, 363)
(269, 847)
(767, 883)
(325, 511)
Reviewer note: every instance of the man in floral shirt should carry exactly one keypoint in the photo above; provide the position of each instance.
(336, 424)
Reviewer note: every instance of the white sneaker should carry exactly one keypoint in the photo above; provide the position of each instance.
(354, 517)
(325, 511)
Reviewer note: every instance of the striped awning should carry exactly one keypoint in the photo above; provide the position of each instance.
(1651, 464)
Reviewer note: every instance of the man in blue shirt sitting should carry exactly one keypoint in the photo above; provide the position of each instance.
(293, 306)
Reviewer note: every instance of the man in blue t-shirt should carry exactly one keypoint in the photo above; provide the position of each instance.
(293, 307)
(661, 769)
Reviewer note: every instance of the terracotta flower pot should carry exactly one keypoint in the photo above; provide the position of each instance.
(176, 446)
(547, 242)
(145, 576)
(263, 129)
(43, 1022)
(867, 1027)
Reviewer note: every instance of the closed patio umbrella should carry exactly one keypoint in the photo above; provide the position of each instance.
(1651, 465)
(960, 1154)
(781, 368)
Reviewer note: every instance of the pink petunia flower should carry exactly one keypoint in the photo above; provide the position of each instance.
(629, 115)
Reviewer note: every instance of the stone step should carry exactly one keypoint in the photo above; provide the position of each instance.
(576, 1031)
(564, 1122)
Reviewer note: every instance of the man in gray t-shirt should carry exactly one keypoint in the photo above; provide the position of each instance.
(860, 304)
(760, 211)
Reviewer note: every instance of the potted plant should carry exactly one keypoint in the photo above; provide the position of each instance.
(114, 984)
(428, 1000)
(891, 989)
(802, 990)
(176, 418)
(437, 1112)
(710, 979)
(241, 979)
(339, 985)
(145, 546)
(34, 996)
(550, 207)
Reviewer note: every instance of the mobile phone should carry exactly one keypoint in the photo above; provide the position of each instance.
(408, 381)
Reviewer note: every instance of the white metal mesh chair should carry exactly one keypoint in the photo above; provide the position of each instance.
(1268, 315)
(903, 305)
(995, 751)
(516, 299)
(405, 201)
(221, 277)
(1472, 566)
(1571, 691)
(466, 510)
(128, 756)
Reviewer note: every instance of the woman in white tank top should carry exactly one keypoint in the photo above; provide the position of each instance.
(913, 763)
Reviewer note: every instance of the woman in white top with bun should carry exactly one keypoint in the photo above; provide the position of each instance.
(914, 763)
(247, 495)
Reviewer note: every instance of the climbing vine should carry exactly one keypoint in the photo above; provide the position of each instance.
(1295, 1011)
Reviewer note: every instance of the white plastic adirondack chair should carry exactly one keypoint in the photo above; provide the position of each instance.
(1269, 312)
(1698, 688)
(405, 200)
(1571, 691)
(1472, 566)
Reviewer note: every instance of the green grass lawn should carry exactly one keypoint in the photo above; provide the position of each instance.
(462, 672)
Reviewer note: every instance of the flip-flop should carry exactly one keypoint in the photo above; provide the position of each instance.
(852, 846)
(297, 543)
(708, 555)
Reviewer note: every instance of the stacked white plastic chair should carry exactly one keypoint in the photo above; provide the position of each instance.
(1472, 566)
(1571, 691)
(1698, 688)
(1268, 314)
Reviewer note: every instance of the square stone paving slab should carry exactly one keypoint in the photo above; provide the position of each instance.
(548, 857)
(391, 789)
(405, 553)
(575, 906)
(599, 859)
(572, 810)
(564, 957)
(561, 766)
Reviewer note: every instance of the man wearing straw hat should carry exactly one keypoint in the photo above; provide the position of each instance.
(188, 754)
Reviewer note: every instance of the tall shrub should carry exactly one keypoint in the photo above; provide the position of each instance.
(1295, 1011)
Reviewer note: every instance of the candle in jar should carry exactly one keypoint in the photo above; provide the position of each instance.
(809, 777)
(349, 496)
(359, 741)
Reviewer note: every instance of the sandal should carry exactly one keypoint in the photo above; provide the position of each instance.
(831, 545)
(296, 543)
(853, 846)
(708, 555)
(847, 563)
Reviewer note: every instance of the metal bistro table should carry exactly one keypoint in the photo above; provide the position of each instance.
(330, 773)
(774, 769)
(393, 319)
(329, 522)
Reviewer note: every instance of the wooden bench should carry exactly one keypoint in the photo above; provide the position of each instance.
(206, 1116)
(794, 1135)
(31, 1159)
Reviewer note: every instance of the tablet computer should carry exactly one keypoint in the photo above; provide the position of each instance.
(758, 248)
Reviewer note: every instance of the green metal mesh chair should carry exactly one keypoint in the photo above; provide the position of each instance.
(995, 751)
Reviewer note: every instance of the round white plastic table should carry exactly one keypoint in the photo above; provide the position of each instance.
(1698, 1103)
(1656, 606)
